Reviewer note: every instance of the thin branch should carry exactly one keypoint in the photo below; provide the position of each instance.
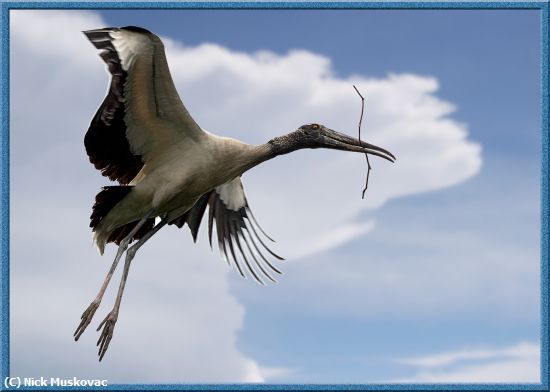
(366, 155)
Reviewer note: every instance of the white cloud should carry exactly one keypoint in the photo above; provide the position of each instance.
(177, 306)
(178, 322)
(255, 97)
(276, 374)
(332, 239)
(515, 364)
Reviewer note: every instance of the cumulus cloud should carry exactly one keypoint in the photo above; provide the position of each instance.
(255, 97)
(332, 239)
(178, 306)
(519, 363)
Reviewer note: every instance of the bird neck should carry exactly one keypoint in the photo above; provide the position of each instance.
(285, 144)
(244, 156)
(238, 157)
(257, 154)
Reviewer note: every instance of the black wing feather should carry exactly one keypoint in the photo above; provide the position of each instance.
(233, 227)
(194, 216)
(105, 140)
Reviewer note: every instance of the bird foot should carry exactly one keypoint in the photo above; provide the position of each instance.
(108, 325)
(85, 319)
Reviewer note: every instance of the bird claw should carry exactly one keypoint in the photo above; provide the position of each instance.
(85, 319)
(108, 325)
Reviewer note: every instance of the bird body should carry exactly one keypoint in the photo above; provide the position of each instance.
(143, 137)
(171, 183)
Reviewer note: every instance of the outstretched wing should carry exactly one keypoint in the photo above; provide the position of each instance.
(238, 233)
(142, 113)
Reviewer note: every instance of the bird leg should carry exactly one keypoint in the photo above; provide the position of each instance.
(88, 314)
(109, 322)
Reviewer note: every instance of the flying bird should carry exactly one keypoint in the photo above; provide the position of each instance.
(170, 170)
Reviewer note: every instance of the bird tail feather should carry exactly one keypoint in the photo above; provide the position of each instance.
(105, 201)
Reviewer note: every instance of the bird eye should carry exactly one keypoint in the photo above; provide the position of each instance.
(314, 126)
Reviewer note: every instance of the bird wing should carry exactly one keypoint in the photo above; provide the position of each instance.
(142, 113)
(238, 232)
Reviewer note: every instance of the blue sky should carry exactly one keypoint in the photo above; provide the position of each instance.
(487, 63)
(447, 269)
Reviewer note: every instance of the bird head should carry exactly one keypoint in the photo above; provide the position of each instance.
(319, 136)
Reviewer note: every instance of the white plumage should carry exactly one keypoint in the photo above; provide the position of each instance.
(143, 137)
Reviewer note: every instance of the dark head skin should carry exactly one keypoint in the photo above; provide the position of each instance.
(319, 136)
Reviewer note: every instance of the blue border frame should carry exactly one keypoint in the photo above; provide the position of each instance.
(366, 4)
(542, 5)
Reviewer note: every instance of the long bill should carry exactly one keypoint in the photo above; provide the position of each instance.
(340, 141)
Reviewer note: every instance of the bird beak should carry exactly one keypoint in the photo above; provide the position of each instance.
(339, 141)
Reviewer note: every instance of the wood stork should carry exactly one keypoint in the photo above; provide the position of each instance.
(169, 168)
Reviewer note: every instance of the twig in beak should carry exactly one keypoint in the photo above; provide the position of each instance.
(366, 155)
